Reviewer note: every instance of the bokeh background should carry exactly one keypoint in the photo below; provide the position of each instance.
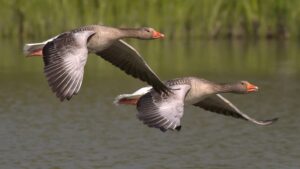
(220, 40)
(178, 19)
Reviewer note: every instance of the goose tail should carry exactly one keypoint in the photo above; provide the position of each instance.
(35, 49)
(131, 99)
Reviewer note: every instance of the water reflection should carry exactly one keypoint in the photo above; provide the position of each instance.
(38, 131)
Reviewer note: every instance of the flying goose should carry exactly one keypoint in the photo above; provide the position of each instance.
(65, 56)
(163, 111)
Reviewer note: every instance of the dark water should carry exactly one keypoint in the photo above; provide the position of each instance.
(37, 131)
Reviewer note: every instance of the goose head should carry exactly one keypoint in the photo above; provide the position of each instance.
(243, 87)
(150, 33)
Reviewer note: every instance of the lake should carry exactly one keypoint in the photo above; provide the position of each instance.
(89, 131)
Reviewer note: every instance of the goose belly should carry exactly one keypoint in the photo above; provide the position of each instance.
(192, 98)
(97, 43)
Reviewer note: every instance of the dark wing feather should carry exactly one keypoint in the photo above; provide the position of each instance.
(129, 60)
(163, 111)
(64, 59)
(221, 105)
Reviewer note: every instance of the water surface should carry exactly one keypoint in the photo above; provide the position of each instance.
(38, 131)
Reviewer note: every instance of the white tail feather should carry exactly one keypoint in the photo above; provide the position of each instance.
(136, 94)
(31, 47)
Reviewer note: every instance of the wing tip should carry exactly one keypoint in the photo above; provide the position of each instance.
(163, 129)
(178, 128)
(271, 121)
(267, 122)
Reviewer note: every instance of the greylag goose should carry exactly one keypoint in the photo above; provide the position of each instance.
(165, 111)
(65, 56)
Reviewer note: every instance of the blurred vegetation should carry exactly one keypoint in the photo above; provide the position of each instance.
(176, 18)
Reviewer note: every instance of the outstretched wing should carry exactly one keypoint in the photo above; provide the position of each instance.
(163, 111)
(129, 60)
(64, 59)
(221, 105)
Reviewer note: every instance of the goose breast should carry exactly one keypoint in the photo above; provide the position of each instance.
(200, 89)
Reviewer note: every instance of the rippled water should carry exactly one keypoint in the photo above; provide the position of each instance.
(38, 131)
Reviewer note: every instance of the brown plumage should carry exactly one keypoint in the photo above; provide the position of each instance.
(165, 111)
(73, 47)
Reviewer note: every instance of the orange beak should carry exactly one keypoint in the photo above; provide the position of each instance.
(251, 88)
(156, 35)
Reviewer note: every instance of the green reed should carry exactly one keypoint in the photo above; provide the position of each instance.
(177, 18)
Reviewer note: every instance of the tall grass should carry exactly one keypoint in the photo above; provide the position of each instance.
(177, 18)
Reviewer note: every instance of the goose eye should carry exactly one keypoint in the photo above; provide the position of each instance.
(146, 29)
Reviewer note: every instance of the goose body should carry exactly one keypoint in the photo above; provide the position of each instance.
(165, 111)
(65, 56)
